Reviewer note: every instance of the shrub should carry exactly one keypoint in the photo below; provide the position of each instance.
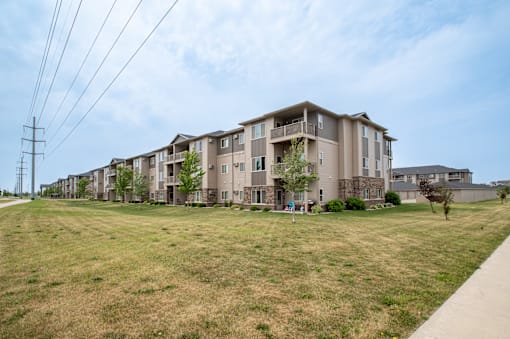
(241, 208)
(335, 205)
(388, 205)
(193, 204)
(216, 205)
(234, 206)
(392, 197)
(317, 208)
(201, 204)
(254, 208)
(266, 209)
(354, 204)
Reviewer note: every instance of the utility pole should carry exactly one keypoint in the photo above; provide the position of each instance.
(33, 153)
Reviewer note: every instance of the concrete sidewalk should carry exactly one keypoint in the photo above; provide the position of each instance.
(480, 308)
(15, 202)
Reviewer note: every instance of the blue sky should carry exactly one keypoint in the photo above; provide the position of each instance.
(435, 73)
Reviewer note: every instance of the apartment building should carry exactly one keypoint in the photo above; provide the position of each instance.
(433, 173)
(350, 153)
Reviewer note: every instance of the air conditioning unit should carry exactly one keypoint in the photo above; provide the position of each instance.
(210, 140)
(236, 192)
(211, 166)
(236, 136)
(236, 164)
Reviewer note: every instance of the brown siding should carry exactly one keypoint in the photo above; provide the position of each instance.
(258, 147)
(258, 178)
(225, 150)
(239, 147)
(364, 151)
(329, 129)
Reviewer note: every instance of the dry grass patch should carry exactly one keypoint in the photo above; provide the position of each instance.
(95, 269)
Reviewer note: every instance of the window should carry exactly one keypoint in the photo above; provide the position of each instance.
(152, 196)
(366, 193)
(241, 138)
(224, 142)
(152, 162)
(299, 196)
(160, 176)
(258, 164)
(161, 156)
(198, 196)
(432, 176)
(224, 195)
(421, 177)
(377, 136)
(258, 131)
(321, 158)
(224, 169)
(378, 165)
(320, 121)
(241, 195)
(136, 163)
(321, 195)
(365, 162)
(152, 178)
(241, 167)
(409, 178)
(160, 196)
(197, 146)
(378, 193)
(258, 196)
(364, 131)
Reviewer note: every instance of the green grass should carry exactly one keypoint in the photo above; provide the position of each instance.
(96, 269)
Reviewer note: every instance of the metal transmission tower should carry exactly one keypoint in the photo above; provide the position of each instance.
(33, 153)
(19, 177)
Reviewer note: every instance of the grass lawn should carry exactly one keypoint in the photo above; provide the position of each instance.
(95, 269)
(5, 200)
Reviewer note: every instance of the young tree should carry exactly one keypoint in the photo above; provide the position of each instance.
(140, 185)
(502, 193)
(294, 172)
(190, 175)
(446, 200)
(430, 192)
(82, 187)
(123, 181)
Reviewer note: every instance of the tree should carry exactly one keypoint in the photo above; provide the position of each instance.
(430, 192)
(295, 171)
(140, 185)
(502, 193)
(123, 181)
(190, 175)
(82, 187)
(392, 197)
(446, 200)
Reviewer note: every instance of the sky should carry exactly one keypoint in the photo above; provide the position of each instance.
(436, 74)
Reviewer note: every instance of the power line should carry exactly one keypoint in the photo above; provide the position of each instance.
(47, 47)
(79, 70)
(59, 61)
(33, 153)
(97, 70)
(116, 77)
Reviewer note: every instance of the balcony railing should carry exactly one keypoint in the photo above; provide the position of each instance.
(112, 172)
(175, 157)
(172, 180)
(293, 129)
(454, 176)
(281, 166)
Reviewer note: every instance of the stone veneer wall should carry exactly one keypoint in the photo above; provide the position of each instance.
(270, 196)
(354, 188)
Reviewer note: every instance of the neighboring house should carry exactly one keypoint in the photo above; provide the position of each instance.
(433, 173)
(500, 183)
(350, 153)
(462, 192)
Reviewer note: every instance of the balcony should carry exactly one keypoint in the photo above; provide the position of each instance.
(172, 180)
(454, 176)
(112, 172)
(177, 157)
(288, 131)
(275, 167)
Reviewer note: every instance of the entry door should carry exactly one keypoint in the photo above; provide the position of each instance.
(279, 199)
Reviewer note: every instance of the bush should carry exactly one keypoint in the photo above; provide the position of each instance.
(234, 207)
(254, 208)
(317, 208)
(354, 204)
(335, 205)
(241, 207)
(392, 197)
(201, 204)
(216, 205)
(266, 209)
(388, 205)
(193, 204)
